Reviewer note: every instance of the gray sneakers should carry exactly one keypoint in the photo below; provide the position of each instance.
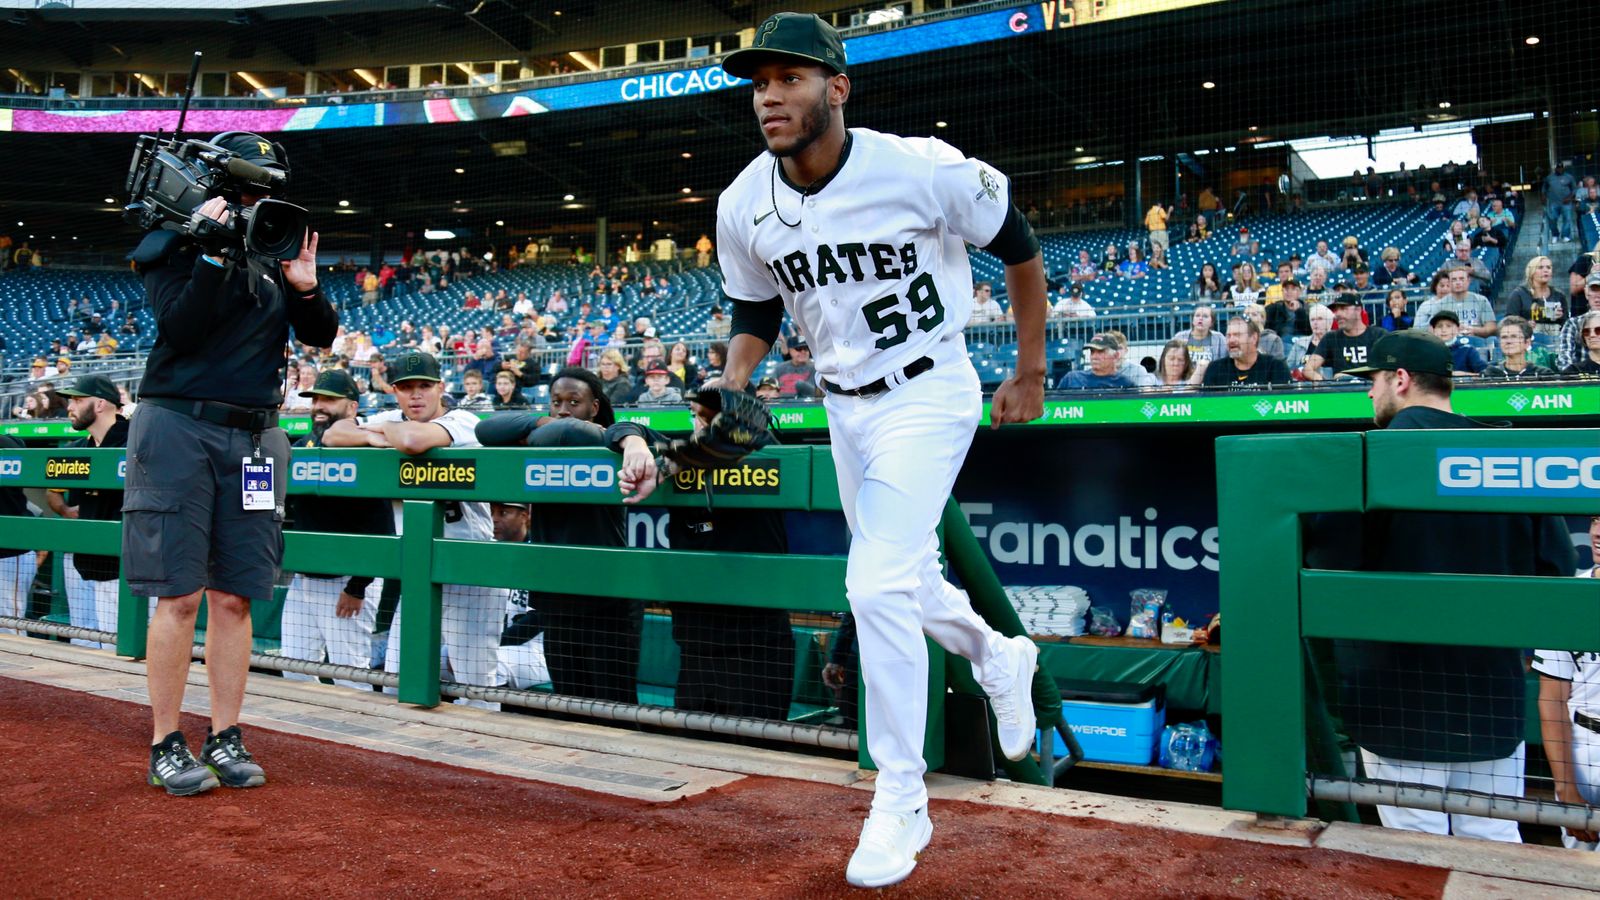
(174, 768)
(224, 754)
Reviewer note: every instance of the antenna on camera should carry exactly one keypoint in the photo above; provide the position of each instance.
(188, 94)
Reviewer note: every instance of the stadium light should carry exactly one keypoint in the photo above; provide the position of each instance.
(500, 222)
(438, 234)
(686, 155)
(1077, 149)
(344, 202)
(1444, 104)
(461, 171)
(688, 191)
(111, 199)
(941, 124)
(1208, 85)
(388, 224)
(1531, 40)
(568, 197)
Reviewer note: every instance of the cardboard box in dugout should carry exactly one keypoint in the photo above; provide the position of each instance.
(1113, 722)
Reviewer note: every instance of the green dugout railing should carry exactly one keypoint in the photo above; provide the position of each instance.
(792, 478)
(1561, 401)
(1273, 604)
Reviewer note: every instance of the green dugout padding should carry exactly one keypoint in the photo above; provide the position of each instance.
(1272, 603)
(1190, 676)
(794, 478)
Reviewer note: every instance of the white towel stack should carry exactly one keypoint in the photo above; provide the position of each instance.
(1050, 610)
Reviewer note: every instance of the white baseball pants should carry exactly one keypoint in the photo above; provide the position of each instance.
(897, 456)
(92, 604)
(16, 580)
(473, 618)
(1490, 776)
(311, 626)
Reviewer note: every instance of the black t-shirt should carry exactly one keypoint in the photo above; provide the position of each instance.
(340, 515)
(217, 341)
(1225, 372)
(12, 501)
(1340, 351)
(99, 505)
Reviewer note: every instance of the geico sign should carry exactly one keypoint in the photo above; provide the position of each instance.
(569, 475)
(1563, 472)
(323, 471)
(10, 467)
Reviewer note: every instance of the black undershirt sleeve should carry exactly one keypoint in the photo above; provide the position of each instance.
(1015, 242)
(760, 319)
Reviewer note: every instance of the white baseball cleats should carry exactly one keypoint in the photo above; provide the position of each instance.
(887, 852)
(1010, 693)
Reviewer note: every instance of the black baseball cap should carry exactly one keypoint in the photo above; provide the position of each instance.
(801, 35)
(413, 365)
(333, 383)
(1100, 342)
(1414, 351)
(799, 343)
(1446, 316)
(93, 386)
(1343, 299)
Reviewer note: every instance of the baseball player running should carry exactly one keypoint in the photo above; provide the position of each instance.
(860, 236)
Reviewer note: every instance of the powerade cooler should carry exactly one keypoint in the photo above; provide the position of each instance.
(1114, 722)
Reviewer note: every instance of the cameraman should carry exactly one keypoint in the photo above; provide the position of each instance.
(207, 467)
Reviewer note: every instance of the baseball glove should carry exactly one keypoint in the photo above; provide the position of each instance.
(740, 427)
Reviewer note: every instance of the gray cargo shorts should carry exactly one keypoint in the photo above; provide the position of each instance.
(184, 525)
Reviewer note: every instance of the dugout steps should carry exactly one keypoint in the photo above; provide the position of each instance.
(647, 766)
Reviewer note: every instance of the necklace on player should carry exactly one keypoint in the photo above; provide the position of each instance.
(772, 182)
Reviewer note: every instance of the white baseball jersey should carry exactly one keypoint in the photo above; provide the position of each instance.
(1582, 669)
(872, 265)
(463, 520)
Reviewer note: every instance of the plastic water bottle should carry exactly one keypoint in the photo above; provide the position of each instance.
(1187, 749)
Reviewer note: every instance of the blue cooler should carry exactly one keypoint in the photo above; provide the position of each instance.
(1114, 722)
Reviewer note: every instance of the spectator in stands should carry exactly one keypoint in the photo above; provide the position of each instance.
(1560, 190)
(1478, 273)
(484, 361)
(1396, 318)
(130, 327)
(1192, 236)
(1244, 365)
(1352, 253)
(703, 248)
(1175, 368)
(1134, 266)
(1158, 259)
(1207, 287)
(1084, 269)
(1207, 201)
(984, 307)
(1587, 197)
(294, 396)
(429, 342)
(767, 389)
(471, 301)
(1109, 261)
(1271, 344)
(473, 398)
(1472, 311)
(1345, 347)
(557, 304)
(1490, 235)
(38, 372)
(1446, 326)
(506, 395)
(1274, 291)
(1071, 304)
(1246, 287)
(1536, 300)
(1570, 345)
(614, 380)
(716, 360)
(1437, 212)
(1241, 247)
(1361, 281)
(1500, 217)
(1204, 343)
(1102, 373)
(369, 287)
(797, 370)
(1316, 288)
(658, 388)
(719, 326)
(1156, 221)
(1516, 336)
(1202, 226)
(1587, 365)
(1322, 258)
(679, 365)
(1391, 272)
